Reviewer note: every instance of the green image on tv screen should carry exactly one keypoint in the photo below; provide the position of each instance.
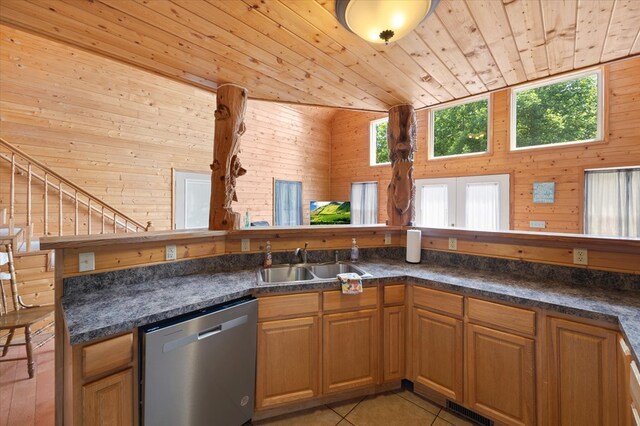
(330, 212)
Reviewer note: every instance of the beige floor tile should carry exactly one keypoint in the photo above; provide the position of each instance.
(420, 401)
(453, 419)
(343, 408)
(321, 416)
(440, 422)
(389, 409)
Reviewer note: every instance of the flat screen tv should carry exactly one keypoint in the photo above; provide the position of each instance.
(330, 212)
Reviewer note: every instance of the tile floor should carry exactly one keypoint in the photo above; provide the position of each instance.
(400, 407)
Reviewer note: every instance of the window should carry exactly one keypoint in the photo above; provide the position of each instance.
(567, 110)
(364, 203)
(287, 205)
(191, 201)
(474, 202)
(612, 202)
(378, 148)
(460, 129)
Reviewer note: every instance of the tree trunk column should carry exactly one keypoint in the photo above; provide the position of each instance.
(401, 137)
(231, 104)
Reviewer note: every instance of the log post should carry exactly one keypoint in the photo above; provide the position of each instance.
(401, 138)
(231, 104)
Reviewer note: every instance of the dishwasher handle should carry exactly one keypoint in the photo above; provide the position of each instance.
(201, 335)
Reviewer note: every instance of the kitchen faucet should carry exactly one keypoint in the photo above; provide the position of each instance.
(301, 253)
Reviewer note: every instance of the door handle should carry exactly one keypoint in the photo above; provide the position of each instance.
(208, 333)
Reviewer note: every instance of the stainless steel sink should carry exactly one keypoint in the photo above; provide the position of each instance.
(330, 270)
(285, 273)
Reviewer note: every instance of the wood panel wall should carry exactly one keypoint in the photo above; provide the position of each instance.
(118, 132)
(563, 165)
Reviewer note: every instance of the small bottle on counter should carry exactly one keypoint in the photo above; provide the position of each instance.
(247, 220)
(354, 250)
(267, 256)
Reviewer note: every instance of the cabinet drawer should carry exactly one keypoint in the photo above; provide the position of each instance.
(288, 305)
(503, 316)
(394, 294)
(437, 300)
(107, 355)
(634, 383)
(335, 300)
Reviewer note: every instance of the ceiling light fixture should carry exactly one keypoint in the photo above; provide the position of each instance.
(382, 21)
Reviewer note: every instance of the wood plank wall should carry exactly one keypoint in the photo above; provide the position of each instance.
(563, 165)
(118, 131)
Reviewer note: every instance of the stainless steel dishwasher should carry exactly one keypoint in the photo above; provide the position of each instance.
(199, 369)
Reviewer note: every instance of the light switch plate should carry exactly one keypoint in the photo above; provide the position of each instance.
(170, 252)
(86, 261)
(580, 256)
(387, 239)
(245, 244)
(453, 244)
(537, 224)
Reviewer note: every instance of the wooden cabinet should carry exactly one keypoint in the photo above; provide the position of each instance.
(109, 401)
(500, 375)
(394, 343)
(582, 374)
(350, 350)
(288, 361)
(437, 353)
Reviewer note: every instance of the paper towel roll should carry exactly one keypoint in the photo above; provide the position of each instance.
(414, 239)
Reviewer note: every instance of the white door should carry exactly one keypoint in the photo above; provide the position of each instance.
(192, 197)
(473, 202)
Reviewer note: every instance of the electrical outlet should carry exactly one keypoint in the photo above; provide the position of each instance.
(387, 239)
(453, 244)
(86, 261)
(580, 256)
(170, 252)
(537, 224)
(245, 245)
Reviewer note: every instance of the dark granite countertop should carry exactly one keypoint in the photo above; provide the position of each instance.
(121, 306)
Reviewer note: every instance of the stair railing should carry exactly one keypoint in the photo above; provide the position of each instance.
(111, 219)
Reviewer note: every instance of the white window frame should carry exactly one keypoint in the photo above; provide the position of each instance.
(547, 82)
(431, 138)
(181, 181)
(456, 197)
(377, 200)
(372, 141)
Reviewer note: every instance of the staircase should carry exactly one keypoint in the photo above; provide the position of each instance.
(37, 201)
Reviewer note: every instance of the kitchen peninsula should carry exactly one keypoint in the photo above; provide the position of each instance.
(467, 309)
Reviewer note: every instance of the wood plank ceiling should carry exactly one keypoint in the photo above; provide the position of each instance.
(296, 51)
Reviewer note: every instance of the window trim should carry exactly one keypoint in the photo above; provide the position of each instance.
(431, 120)
(598, 71)
(377, 210)
(372, 141)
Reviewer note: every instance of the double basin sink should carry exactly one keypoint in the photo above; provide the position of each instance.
(305, 272)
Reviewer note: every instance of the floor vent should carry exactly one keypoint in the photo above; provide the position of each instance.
(471, 415)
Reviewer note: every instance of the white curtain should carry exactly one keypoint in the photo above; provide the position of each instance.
(482, 208)
(288, 203)
(364, 203)
(612, 202)
(435, 206)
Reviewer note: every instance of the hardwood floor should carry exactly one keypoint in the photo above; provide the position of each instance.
(25, 401)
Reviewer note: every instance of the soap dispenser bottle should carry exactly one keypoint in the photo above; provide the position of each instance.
(354, 250)
(267, 256)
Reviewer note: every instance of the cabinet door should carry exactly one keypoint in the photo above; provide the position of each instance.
(437, 353)
(394, 343)
(350, 350)
(109, 401)
(582, 374)
(500, 375)
(288, 361)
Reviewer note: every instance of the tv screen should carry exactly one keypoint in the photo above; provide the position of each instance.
(330, 212)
